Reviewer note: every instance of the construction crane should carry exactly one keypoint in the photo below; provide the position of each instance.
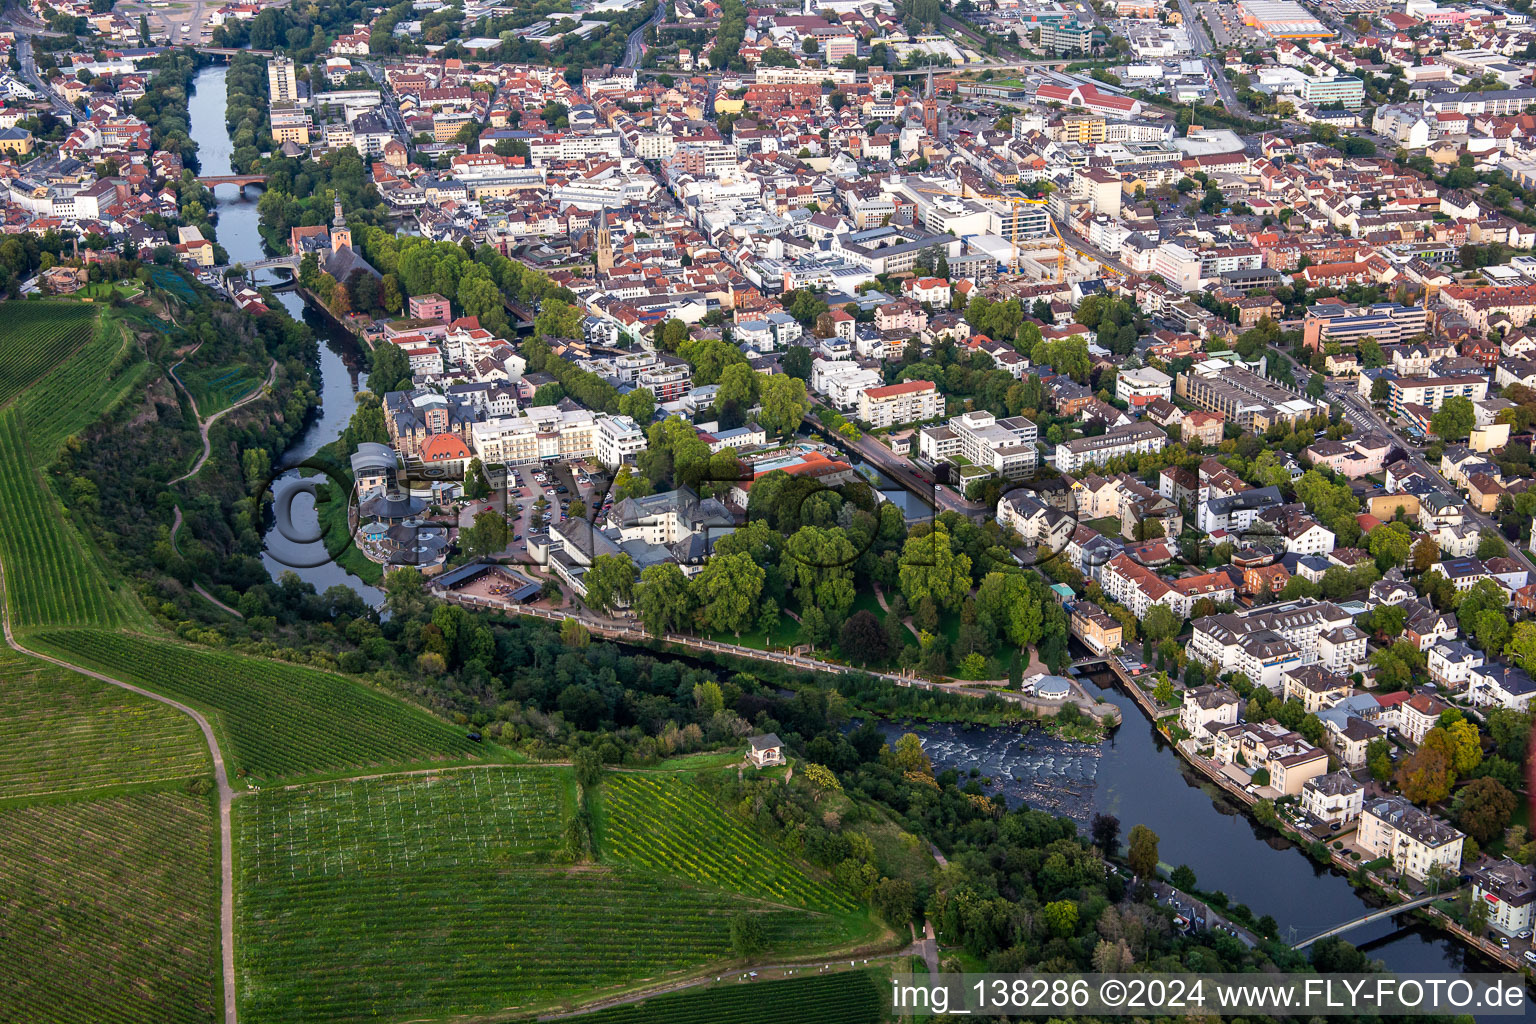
(1060, 245)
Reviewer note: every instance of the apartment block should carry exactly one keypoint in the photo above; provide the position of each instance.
(908, 402)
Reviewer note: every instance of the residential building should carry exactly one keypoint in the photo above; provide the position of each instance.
(1508, 892)
(1207, 708)
(908, 402)
(1335, 798)
(1005, 447)
(1416, 842)
(1073, 456)
(1095, 628)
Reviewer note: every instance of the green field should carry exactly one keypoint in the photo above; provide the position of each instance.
(665, 824)
(852, 997)
(426, 896)
(274, 720)
(65, 733)
(38, 336)
(110, 911)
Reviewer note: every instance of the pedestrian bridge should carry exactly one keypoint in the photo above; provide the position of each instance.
(1374, 915)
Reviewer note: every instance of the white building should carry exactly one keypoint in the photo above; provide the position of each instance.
(908, 402)
(619, 440)
(1508, 892)
(1335, 798)
(1006, 447)
(842, 382)
(1074, 455)
(1415, 841)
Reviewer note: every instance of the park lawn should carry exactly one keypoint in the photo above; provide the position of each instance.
(111, 910)
(275, 720)
(67, 733)
(440, 894)
(786, 635)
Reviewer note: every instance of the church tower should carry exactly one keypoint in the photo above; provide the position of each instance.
(341, 235)
(931, 111)
(604, 244)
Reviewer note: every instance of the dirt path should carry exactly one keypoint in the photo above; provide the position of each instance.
(221, 777)
(198, 587)
(807, 967)
(204, 426)
(880, 598)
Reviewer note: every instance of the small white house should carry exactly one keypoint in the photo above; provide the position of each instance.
(765, 751)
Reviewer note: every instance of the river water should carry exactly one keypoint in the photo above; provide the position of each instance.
(1137, 776)
(294, 547)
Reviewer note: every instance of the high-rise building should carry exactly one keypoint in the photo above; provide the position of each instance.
(282, 83)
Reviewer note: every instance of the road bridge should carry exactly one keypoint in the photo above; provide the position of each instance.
(290, 261)
(212, 180)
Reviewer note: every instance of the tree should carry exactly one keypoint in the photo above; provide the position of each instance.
(747, 936)
(476, 486)
(610, 582)
(388, 369)
(796, 362)
(664, 599)
(1183, 877)
(1378, 758)
(1426, 776)
(1105, 830)
(588, 766)
(728, 591)
(1389, 544)
(1142, 852)
(1483, 808)
(488, 535)
(930, 567)
(1454, 420)
(784, 404)
(864, 639)
(1425, 554)
(910, 756)
(1061, 917)
(1159, 624)
(639, 405)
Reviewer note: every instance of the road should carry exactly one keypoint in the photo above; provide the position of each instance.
(1198, 37)
(226, 800)
(1360, 414)
(32, 78)
(632, 46)
(900, 470)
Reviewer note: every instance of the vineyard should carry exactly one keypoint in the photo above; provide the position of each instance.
(402, 822)
(51, 576)
(665, 823)
(38, 336)
(435, 895)
(64, 732)
(275, 720)
(78, 393)
(110, 911)
(853, 997)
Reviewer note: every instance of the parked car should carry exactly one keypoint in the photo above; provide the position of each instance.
(1530, 956)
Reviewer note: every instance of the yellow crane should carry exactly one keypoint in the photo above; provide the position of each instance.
(1059, 245)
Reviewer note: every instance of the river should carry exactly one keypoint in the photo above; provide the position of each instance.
(1137, 776)
(294, 547)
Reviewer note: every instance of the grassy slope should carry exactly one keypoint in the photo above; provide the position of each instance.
(274, 720)
(66, 733)
(53, 573)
